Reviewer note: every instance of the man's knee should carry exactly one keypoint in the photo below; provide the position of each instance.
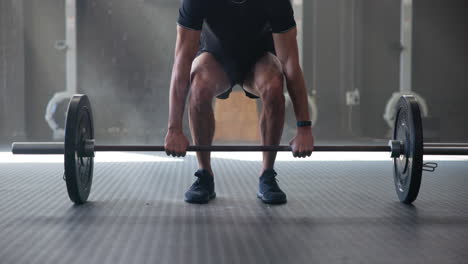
(272, 89)
(201, 90)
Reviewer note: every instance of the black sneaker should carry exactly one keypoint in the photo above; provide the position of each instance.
(202, 190)
(269, 191)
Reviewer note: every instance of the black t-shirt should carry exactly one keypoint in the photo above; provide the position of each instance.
(236, 27)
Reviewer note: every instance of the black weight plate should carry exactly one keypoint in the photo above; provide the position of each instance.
(408, 167)
(78, 169)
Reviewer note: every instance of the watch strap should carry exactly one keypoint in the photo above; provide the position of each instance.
(304, 123)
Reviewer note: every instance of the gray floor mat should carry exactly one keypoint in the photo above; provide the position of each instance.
(338, 212)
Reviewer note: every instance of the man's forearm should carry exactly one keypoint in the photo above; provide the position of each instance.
(298, 93)
(187, 44)
(180, 85)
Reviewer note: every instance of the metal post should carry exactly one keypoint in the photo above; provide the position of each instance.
(71, 69)
(407, 45)
(70, 13)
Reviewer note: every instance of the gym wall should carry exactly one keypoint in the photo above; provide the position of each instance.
(44, 24)
(126, 48)
(371, 58)
(440, 68)
(12, 82)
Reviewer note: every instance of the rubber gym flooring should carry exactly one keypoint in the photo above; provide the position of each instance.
(339, 211)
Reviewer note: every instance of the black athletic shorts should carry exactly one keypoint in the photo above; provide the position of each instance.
(237, 32)
(237, 69)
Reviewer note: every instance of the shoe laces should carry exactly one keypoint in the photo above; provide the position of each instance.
(201, 181)
(197, 185)
(271, 181)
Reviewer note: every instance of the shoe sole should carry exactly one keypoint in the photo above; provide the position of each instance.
(260, 196)
(204, 201)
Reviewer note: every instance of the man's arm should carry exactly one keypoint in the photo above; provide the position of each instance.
(287, 52)
(187, 45)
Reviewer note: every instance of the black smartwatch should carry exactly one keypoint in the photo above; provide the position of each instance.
(304, 123)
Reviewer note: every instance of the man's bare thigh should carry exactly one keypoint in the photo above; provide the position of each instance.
(266, 67)
(207, 68)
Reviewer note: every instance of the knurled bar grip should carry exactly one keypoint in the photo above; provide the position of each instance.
(240, 148)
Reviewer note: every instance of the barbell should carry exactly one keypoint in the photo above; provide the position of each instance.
(406, 149)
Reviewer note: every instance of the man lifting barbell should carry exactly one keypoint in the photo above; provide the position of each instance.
(221, 43)
(259, 68)
(406, 148)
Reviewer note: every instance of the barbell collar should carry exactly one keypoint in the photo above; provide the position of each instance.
(88, 148)
(396, 148)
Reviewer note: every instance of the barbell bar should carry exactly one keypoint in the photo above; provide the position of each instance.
(406, 148)
(54, 148)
